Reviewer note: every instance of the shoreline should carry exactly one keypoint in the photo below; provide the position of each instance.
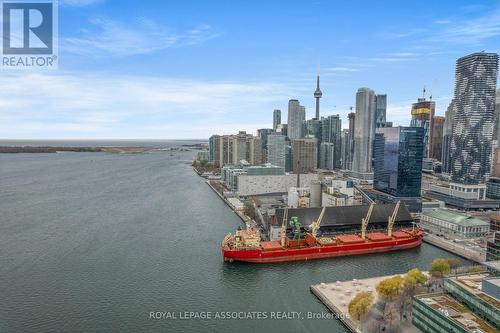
(90, 149)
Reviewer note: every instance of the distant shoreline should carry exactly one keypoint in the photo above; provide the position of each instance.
(115, 150)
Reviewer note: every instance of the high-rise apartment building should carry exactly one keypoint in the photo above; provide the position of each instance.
(364, 133)
(437, 138)
(345, 149)
(263, 133)
(276, 119)
(474, 118)
(313, 129)
(282, 129)
(214, 153)
(327, 156)
(331, 127)
(397, 159)
(276, 150)
(447, 135)
(296, 118)
(350, 142)
(304, 155)
(497, 118)
(380, 110)
(422, 115)
(233, 149)
(288, 158)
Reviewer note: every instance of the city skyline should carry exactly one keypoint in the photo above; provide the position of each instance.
(249, 67)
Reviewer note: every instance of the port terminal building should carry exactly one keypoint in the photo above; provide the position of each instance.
(453, 225)
(342, 219)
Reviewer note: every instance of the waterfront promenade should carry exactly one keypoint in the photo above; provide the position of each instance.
(459, 249)
(336, 296)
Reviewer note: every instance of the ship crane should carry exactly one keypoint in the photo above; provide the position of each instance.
(365, 220)
(392, 219)
(283, 227)
(314, 227)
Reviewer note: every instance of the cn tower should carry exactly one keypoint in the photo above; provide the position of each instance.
(317, 95)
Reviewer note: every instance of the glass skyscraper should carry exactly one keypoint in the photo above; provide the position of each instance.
(276, 150)
(276, 119)
(397, 155)
(474, 118)
(296, 118)
(331, 127)
(422, 115)
(364, 131)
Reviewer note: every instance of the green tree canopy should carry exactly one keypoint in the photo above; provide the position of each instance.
(412, 279)
(360, 305)
(439, 268)
(417, 275)
(390, 287)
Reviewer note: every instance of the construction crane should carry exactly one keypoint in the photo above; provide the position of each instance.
(314, 227)
(392, 219)
(283, 227)
(365, 220)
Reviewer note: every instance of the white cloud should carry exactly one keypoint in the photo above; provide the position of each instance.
(442, 21)
(342, 69)
(78, 3)
(101, 106)
(472, 31)
(110, 37)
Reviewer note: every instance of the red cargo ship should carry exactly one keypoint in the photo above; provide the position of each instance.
(247, 247)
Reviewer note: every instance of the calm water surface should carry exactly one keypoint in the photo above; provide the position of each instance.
(93, 242)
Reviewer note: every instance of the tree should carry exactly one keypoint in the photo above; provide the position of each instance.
(411, 281)
(439, 268)
(454, 263)
(249, 209)
(417, 275)
(390, 287)
(360, 305)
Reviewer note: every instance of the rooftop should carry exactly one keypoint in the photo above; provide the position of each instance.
(456, 312)
(472, 283)
(456, 218)
(348, 215)
(493, 265)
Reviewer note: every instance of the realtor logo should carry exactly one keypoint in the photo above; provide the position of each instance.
(29, 30)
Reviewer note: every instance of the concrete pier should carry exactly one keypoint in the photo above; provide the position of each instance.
(336, 296)
(459, 249)
(242, 216)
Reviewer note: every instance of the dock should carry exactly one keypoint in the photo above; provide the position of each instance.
(235, 209)
(458, 249)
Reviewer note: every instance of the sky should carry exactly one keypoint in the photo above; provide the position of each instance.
(189, 69)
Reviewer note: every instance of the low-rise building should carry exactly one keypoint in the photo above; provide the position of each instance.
(438, 313)
(299, 197)
(466, 197)
(469, 305)
(493, 188)
(338, 192)
(479, 293)
(493, 248)
(453, 225)
(253, 185)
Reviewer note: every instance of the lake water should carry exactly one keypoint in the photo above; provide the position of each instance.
(95, 242)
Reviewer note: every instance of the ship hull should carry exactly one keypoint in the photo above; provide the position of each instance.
(319, 252)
